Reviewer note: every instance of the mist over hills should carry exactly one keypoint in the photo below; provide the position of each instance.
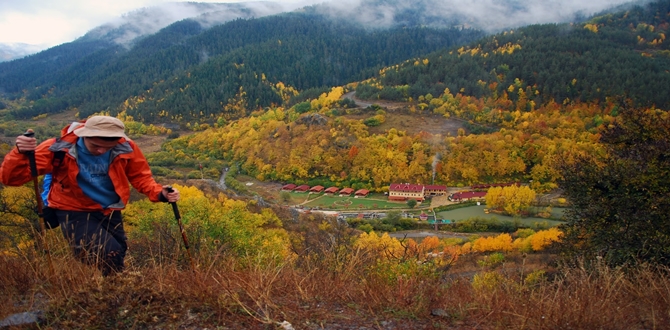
(192, 68)
(147, 21)
(487, 15)
(10, 51)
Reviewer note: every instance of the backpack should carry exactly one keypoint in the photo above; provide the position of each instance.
(49, 214)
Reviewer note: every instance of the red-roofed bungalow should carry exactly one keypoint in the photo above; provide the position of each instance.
(404, 191)
(301, 188)
(331, 190)
(288, 187)
(362, 193)
(346, 191)
(316, 189)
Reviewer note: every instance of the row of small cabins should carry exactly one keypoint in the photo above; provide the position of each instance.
(328, 191)
(397, 191)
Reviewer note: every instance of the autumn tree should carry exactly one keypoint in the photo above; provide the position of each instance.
(212, 224)
(620, 201)
(18, 219)
(511, 199)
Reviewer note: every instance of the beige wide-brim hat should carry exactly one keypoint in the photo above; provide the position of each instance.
(102, 126)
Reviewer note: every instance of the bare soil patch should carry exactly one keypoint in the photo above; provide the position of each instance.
(150, 143)
(398, 116)
(269, 190)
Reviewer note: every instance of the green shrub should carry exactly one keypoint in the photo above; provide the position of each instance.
(194, 175)
(366, 227)
(524, 232)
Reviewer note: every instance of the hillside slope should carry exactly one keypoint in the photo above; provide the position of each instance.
(622, 54)
(195, 71)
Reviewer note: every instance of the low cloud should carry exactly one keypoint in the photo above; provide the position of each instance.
(149, 20)
(488, 15)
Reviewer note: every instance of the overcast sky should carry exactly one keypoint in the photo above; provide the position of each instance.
(49, 23)
(52, 22)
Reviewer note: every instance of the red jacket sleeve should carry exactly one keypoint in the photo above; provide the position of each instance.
(15, 168)
(140, 177)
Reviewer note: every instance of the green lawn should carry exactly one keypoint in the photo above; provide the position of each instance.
(478, 211)
(372, 202)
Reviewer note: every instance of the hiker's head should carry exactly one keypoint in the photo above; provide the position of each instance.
(101, 133)
(102, 127)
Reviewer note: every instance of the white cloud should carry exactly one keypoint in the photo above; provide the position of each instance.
(51, 22)
(490, 15)
(48, 23)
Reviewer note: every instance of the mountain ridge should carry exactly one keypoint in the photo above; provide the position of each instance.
(149, 20)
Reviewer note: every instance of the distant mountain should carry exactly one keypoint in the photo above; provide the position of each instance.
(193, 67)
(486, 15)
(188, 72)
(146, 21)
(12, 51)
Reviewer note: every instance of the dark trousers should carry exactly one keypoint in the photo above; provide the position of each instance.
(96, 239)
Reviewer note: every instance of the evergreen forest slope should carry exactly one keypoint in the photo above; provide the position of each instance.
(187, 72)
(619, 54)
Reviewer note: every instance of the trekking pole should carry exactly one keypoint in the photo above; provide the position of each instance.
(175, 209)
(40, 214)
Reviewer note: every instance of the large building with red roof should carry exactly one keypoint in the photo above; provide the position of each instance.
(418, 192)
(405, 191)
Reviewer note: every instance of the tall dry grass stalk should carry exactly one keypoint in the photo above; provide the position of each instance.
(359, 291)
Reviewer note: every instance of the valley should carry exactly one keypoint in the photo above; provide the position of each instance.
(507, 179)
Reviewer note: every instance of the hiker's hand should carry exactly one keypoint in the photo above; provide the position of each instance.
(25, 144)
(172, 196)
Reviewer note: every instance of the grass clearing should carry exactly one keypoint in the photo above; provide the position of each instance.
(478, 211)
(372, 202)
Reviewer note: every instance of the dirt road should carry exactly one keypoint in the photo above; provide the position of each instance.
(382, 103)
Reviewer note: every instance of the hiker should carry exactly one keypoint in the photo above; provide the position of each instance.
(90, 185)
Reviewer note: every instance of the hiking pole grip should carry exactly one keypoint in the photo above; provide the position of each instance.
(31, 155)
(175, 209)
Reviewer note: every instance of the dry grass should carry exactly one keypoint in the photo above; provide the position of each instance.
(333, 292)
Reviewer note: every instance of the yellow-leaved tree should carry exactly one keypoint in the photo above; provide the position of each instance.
(502, 242)
(538, 241)
(17, 219)
(384, 245)
(212, 225)
(511, 200)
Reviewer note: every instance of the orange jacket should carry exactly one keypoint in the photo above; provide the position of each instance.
(128, 165)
